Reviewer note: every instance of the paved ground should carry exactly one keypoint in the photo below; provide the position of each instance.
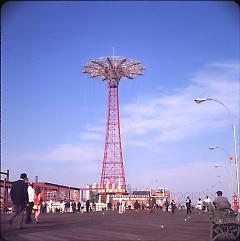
(110, 225)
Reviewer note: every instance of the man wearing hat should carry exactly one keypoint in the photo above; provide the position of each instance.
(19, 197)
(221, 202)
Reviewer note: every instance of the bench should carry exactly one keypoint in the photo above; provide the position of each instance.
(224, 224)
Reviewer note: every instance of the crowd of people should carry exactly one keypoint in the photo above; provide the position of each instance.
(26, 196)
(151, 205)
(219, 203)
(73, 207)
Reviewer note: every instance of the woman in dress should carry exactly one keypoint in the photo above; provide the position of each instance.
(38, 198)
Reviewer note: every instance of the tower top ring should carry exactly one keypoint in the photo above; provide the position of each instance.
(113, 68)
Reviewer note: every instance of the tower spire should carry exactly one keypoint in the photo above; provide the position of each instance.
(113, 69)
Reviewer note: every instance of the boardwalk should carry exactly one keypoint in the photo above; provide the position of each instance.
(110, 225)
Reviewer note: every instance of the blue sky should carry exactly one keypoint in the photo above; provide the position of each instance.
(53, 116)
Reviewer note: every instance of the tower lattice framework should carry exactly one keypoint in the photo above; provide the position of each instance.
(113, 69)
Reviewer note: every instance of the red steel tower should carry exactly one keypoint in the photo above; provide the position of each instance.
(113, 69)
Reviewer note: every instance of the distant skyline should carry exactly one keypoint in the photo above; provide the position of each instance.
(54, 116)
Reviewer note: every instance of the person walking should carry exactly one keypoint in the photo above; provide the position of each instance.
(109, 205)
(44, 207)
(173, 205)
(120, 210)
(87, 205)
(67, 206)
(79, 207)
(123, 206)
(151, 204)
(19, 197)
(188, 205)
(38, 198)
(73, 206)
(199, 204)
(82, 206)
(207, 203)
(166, 205)
(30, 202)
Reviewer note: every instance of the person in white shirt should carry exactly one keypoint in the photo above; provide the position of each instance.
(207, 202)
(199, 204)
(30, 202)
(62, 207)
(123, 206)
(120, 206)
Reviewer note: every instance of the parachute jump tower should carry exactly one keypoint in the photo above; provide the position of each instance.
(113, 69)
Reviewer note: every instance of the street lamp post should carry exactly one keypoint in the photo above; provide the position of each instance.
(201, 100)
(221, 148)
(228, 179)
(229, 170)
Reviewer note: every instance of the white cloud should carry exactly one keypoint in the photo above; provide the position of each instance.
(175, 117)
(93, 133)
(91, 136)
(74, 152)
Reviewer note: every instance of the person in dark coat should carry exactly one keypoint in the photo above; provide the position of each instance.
(166, 205)
(87, 205)
(151, 205)
(136, 205)
(173, 205)
(109, 205)
(73, 206)
(19, 197)
(79, 207)
(188, 205)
